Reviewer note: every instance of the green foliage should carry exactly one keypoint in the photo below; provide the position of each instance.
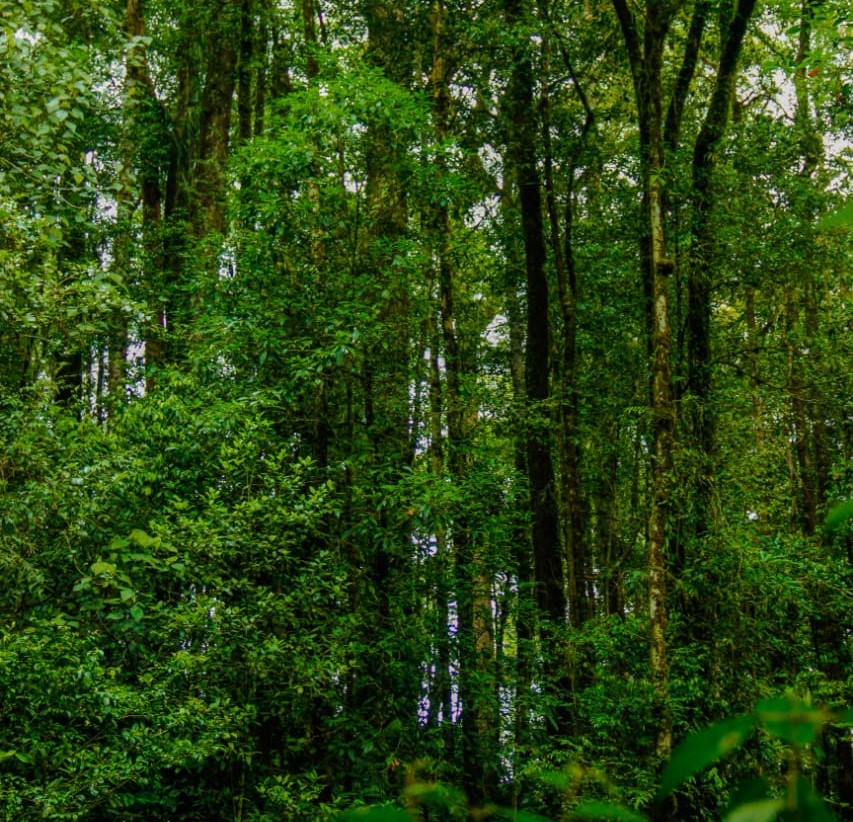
(842, 219)
(606, 810)
(838, 515)
(702, 749)
(265, 523)
(787, 718)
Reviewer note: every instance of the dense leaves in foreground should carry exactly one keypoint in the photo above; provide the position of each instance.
(425, 411)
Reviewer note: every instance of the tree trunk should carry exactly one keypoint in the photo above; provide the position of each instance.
(699, 282)
(646, 66)
(220, 79)
(521, 154)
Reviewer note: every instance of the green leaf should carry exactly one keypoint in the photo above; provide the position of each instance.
(702, 749)
(752, 802)
(791, 719)
(559, 779)
(808, 806)
(519, 816)
(435, 794)
(838, 515)
(375, 814)
(126, 594)
(137, 613)
(103, 568)
(594, 809)
(142, 539)
(764, 810)
(845, 717)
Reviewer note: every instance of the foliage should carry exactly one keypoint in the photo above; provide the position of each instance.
(331, 462)
(790, 719)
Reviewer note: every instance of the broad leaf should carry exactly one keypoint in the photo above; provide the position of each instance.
(702, 749)
(809, 807)
(791, 719)
(752, 802)
(519, 816)
(142, 539)
(435, 794)
(607, 810)
(375, 814)
(845, 717)
(764, 810)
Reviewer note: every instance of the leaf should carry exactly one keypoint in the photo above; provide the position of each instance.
(845, 717)
(519, 816)
(137, 613)
(435, 794)
(126, 594)
(764, 810)
(594, 809)
(103, 568)
(838, 515)
(809, 806)
(142, 539)
(375, 814)
(559, 779)
(791, 719)
(748, 792)
(702, 749)
(840, 220)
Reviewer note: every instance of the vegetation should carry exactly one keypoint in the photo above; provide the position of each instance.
(429, 410)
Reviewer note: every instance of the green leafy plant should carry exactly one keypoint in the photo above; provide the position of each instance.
(792, 720)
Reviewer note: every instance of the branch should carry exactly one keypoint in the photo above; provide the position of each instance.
(675, 110)
(716, 118)
(631, 38)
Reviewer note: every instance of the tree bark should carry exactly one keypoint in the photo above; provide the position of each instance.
(646, 62)
(521, 154)
(220, 80)
(581, 601)
(700, 271)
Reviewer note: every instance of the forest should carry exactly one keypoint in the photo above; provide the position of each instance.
(426, 410)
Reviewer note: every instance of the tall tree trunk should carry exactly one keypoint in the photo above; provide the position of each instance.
(220, 81)
(549, 571)
(579, 566)
(525, 612)
(646, 65)
(521, 154)
(699, 282)
(246, 60)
